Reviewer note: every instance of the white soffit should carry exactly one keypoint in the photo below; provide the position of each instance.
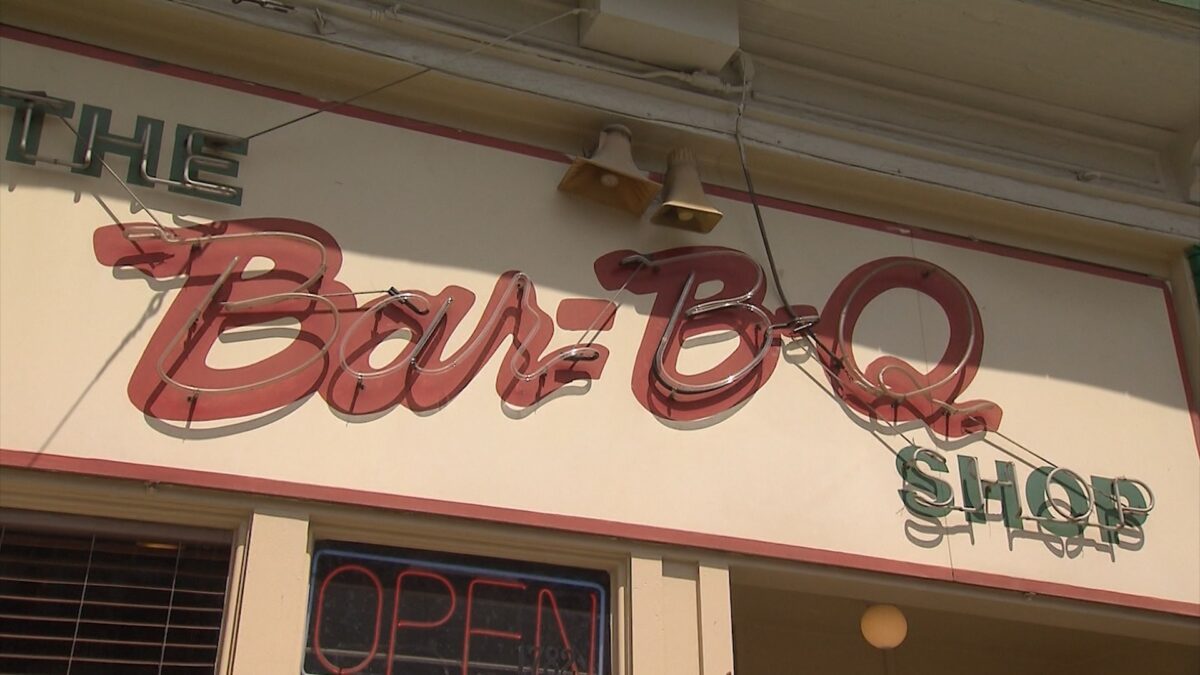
(1098, 58)
(684, 34)
(852, 111)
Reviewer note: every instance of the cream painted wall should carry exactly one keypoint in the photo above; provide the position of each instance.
(1083, 365)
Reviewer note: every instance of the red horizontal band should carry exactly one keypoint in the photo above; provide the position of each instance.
(588, 526)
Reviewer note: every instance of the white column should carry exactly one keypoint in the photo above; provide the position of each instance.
(646, 610)
(716, 620)
(681, 617)
(269, 628)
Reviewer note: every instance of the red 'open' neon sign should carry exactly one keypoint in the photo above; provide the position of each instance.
(378, 611)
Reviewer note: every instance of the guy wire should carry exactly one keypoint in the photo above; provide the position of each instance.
(120, 180)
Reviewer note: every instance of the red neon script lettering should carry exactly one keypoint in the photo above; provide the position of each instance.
(674, 277)
(397, 623)
(428, 380)
(488, 632)
(330, 353)
(204, 309)
(366, 661)
(544, 595)
(889, 388)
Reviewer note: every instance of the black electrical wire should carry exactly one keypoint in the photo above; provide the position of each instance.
(798, 325)
(762, 230)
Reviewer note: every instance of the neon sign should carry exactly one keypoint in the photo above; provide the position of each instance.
(384, 611)
(330, 355)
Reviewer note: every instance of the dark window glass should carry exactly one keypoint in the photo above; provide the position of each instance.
(93, 604)
(387, 611)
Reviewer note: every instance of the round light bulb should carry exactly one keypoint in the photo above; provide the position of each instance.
(884, 626)
(608, 180)
(684, 214)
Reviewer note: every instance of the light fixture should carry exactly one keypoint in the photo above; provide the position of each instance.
(609, 175)
(884, 626)
(684, 203)
(158, 545)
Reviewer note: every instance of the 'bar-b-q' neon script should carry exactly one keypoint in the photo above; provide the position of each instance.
(330, 353)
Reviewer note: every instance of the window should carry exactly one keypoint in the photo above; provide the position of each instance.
(382, 611)
(107, 597)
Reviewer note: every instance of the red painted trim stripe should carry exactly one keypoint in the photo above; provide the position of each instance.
(13, 458)
(82, 466)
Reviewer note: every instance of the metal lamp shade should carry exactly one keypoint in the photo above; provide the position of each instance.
(685, 205)
(609, 176)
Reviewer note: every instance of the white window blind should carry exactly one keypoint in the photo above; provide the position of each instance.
(103, 602)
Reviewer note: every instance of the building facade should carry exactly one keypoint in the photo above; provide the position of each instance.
(345, 336)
